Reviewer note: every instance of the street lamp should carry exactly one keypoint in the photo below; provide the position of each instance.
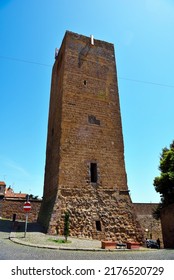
(146, 230)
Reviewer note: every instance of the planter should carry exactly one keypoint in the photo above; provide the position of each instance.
(133, 245)
(108, 244)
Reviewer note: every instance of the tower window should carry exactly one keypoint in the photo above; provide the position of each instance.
(92, 120)
(93, 172)
(98, 225)
(85, 82)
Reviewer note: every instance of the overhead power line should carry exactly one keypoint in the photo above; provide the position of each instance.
(24, 61)
(146, 82)
(121, 78)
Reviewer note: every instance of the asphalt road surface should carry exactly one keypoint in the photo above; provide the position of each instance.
(12, 251)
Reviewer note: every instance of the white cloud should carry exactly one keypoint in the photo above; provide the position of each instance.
(16, 167)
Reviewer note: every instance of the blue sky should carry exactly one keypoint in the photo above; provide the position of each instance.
(143, 35)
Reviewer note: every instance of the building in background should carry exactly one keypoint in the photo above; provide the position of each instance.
(2, 189)
(11, 204)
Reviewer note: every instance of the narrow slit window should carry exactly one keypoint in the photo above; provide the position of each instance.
(93, 172)
(85, 82)
(98, 225)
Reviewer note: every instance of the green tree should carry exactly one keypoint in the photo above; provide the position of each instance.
(66, 225)
(164, 183)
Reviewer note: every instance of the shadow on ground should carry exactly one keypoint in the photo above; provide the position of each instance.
(5, 226)
(8, 226)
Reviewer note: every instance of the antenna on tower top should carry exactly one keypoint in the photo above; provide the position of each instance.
(92, 40)
(56, 52)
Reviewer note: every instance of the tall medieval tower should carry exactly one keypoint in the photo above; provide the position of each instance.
(85, 170)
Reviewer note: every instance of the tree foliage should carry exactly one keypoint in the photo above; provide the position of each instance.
(33, 197)
(164, 183)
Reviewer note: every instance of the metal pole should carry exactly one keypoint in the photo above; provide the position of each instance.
(26, 220)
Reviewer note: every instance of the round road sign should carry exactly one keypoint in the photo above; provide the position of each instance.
(27, 206)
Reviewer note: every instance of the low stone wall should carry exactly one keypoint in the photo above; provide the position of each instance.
(144, 208)
(8, 207)
(151, 227)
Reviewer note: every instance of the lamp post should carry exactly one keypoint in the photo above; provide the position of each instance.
(146, 230)
(151, 226)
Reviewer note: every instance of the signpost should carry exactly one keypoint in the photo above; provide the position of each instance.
(27, 208)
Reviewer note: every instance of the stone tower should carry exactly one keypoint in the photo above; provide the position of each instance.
(85, 170)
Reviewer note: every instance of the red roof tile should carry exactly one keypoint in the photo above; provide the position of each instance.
(9, 193)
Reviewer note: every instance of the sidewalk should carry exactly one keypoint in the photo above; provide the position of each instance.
(36, 238)
(41, 240)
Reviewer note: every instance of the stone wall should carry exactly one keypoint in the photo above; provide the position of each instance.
(14, 206)
(91, 219)
(113, 226)
(167, 223)
(150, 226)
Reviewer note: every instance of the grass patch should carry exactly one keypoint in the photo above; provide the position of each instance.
(5, 219)
(59, 241)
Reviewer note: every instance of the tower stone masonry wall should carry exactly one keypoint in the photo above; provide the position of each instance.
(85, 170)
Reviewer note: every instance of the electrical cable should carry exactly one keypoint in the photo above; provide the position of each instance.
(121, 78)
(24, 61)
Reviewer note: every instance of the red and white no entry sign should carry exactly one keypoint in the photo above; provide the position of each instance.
(27, 206)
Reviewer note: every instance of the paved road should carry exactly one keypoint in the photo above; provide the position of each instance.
(12, 251)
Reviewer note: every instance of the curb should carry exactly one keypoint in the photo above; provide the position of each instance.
(17, 241)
